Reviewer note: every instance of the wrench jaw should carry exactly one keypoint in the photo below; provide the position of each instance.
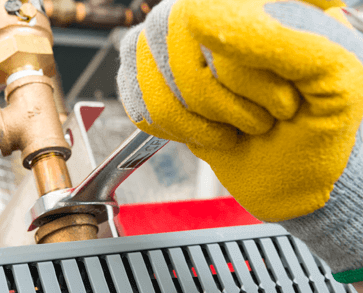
(59, 203)
(95, 195)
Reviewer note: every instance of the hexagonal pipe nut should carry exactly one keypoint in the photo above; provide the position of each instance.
(25, 52)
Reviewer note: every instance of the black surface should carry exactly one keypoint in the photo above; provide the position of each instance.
(71, 63)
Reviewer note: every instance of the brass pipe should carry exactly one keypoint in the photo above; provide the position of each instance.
(51, 173)
(30, 122)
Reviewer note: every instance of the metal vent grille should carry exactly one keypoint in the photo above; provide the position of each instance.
(263, 265)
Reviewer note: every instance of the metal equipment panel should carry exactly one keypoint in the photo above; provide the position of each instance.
(262, 258)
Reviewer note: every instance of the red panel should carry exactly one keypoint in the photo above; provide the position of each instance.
(89, 115)
(152, 218)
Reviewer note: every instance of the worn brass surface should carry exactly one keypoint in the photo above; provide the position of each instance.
(74, 227)
(30, 122)
(25, 44)
(50, 172)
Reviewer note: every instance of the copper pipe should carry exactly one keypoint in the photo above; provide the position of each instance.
(68, 228)
(97, 13)
(100, 2)
(51, 173)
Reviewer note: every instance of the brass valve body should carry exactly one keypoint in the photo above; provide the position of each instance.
(30, 122)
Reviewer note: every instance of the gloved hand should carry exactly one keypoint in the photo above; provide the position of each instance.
(268, 93)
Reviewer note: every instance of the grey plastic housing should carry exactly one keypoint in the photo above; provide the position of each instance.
(265, 259)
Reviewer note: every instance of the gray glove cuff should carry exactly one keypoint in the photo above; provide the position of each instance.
(335, 232)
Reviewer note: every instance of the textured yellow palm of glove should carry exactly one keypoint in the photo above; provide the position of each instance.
(279, 173)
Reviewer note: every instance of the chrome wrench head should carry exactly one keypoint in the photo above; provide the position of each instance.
(95, 193)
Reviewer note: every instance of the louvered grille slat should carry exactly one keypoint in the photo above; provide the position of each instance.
(332, 284)
(48, 277)
(3, 282)
(289, 256)
(240, 267)
(311, 268)
(203, 271)
(23, 279)
(259, 259)
(182, 271)
(140, 272)
(258, 266)
(96, 275)
(162, 272)
(277, 268)
(220, 265)
(118, 274)
(72, 276)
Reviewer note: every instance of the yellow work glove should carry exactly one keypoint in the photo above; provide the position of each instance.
(267, 92)
(293, 72)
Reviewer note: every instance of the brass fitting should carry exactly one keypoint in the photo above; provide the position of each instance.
(68, 228)
(30, 123)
